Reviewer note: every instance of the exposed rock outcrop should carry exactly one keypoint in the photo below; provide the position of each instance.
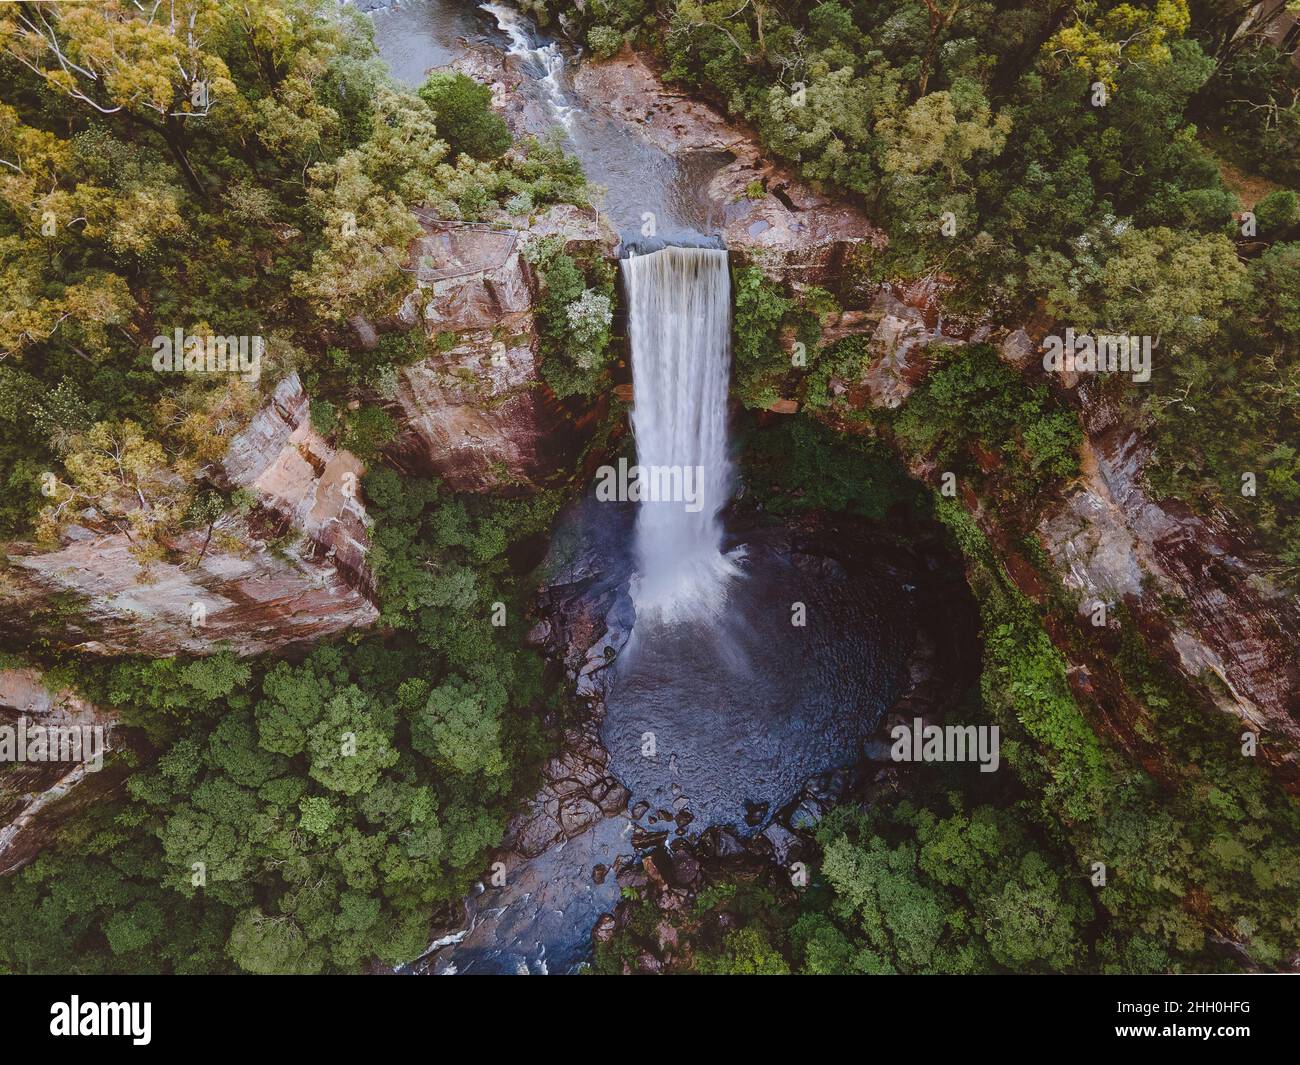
(292, 570)
(1111, 543)
(766, 214)
(295, 474)
(477, 413)
(39, 793)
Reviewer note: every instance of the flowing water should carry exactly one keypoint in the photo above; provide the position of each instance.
(415, 36)
(679, 326)
(544, 58)
(758, 656)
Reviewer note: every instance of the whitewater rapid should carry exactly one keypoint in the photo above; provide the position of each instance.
(679, 325)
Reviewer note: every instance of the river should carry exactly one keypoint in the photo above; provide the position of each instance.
(415, 36)
(716, 717)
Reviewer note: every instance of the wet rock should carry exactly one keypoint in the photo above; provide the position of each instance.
(685, 867)
(721, 842)
(605, 929)
(536, 835)
(807, 815)
(784, 842)
(666, 935)
(643, 838)
(631, 878)
(658, 866)
(611, 796)
(675, 900)
(577, 814)
(877, 751)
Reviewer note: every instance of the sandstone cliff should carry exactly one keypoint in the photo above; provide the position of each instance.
(290, 570)
(38, 795)
(476, 413)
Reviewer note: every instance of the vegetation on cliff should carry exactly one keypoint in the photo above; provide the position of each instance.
(248, 169)
(256, 178)
(1072, 159)
(218, 170)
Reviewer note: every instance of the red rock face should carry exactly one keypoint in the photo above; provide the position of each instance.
(295, 474)
(292, 571)
(37, 796)
(1109, 541)
(254, 598)
(478, 414)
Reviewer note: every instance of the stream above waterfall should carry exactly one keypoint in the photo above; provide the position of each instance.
(414, 36)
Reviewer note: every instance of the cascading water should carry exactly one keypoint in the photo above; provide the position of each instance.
(547, 59)
(679, 323)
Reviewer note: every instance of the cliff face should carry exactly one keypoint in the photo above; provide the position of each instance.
(477, 414)
(292, 570)
(1199, 593)
(298, 477)
(36, 793)
(1191, 581)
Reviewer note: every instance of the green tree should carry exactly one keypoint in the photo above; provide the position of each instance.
(462, 108)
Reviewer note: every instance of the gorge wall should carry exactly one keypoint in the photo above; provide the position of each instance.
(290, 570)
(37, 796)
(1199, 591)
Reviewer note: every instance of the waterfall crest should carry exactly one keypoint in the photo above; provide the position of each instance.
(679, 324)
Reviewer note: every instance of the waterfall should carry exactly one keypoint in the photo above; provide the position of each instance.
(679, 324)
(547, 60)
